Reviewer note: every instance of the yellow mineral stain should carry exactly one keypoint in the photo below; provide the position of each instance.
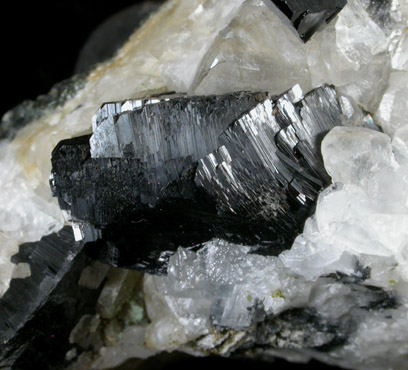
(278, 294)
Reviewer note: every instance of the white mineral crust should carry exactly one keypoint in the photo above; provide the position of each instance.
(207, 47)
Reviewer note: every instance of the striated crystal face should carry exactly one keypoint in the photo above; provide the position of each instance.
(243, 167)
(269, 241)
(270, 157)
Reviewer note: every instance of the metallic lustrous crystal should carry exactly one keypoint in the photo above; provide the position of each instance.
(307, 16)
(269, 161)
(40, 310)
(242, 167)
(138, 149)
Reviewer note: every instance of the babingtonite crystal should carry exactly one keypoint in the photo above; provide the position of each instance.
(310, 15)
(177, 171)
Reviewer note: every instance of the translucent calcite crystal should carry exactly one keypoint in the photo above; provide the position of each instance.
(247, 50)
(353, 53)
(400, 54)
(391, 112)
(26, 213)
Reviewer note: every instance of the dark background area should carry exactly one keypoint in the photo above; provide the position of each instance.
(41, 42)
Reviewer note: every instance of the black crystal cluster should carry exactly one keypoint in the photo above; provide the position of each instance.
(310, 15)
(38, 312)
(179, 171)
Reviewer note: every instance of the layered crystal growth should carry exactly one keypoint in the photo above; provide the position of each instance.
(211, 165)
(54, 264)
(271, 157)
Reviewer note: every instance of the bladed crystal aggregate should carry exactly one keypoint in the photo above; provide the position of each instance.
(267, 170)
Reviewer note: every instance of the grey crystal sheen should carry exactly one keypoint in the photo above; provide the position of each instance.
(272, 150)
(50, 259)
(166, 135)
(308, 16)
(159, 130)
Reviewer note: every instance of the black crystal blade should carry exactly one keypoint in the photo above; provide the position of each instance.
(178, 171)
(308, 16)
(38, 313)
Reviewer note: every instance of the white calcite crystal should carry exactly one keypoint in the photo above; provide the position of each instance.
(248, 50)
(353, 53)
(340, 294)
(393, 106)
(27, 212)
(400, 53)
(391, 114)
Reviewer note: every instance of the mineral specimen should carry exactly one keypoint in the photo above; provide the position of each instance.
(337, 294)
(270, 157)
(308, 16)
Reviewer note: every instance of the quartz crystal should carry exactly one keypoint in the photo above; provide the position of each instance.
(391, 112)
(359, 63)
(259, 280)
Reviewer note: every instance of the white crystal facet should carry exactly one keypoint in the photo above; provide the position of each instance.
(400, 53)
(391, 113)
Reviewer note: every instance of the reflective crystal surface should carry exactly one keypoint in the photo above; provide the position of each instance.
(308, 16)
(149, 162)
(270, 157)
(39, 309)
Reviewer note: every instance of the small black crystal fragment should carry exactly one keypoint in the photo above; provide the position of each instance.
(38, 313)
(308, 16)
(302, 328)
(49, 260)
